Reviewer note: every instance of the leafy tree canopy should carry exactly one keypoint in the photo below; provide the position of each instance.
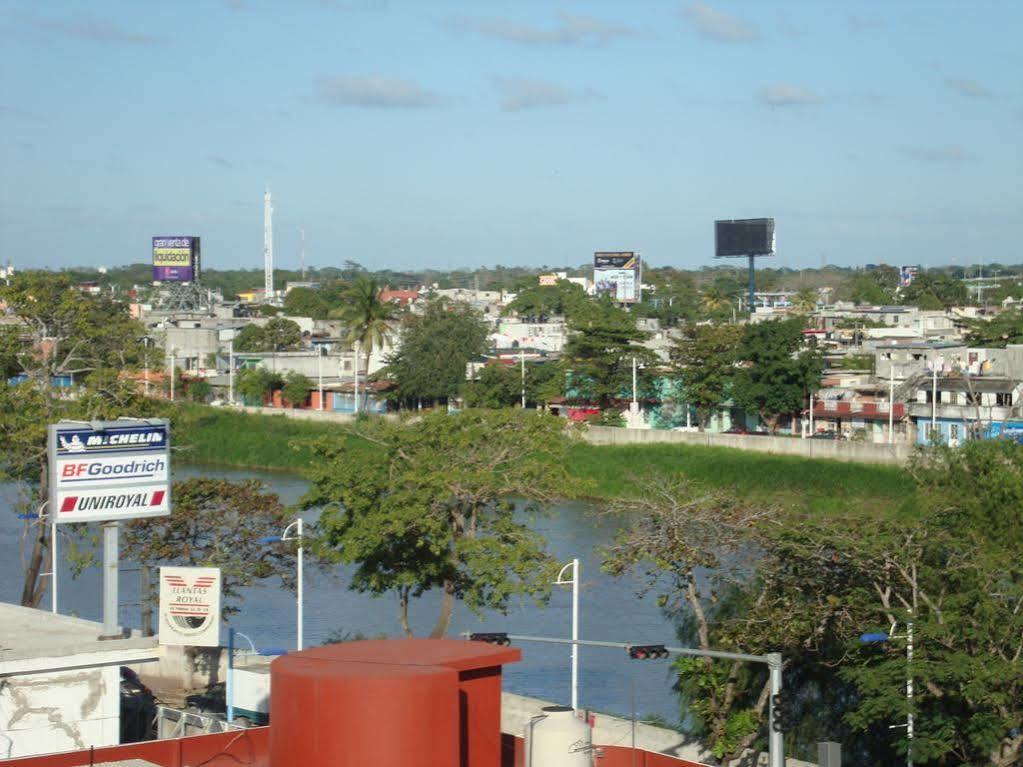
(564, 299)
(216, 523)
(778, 369)
(306, 302)
(704, 359)
(436, 347)
(997, 332)
(430, 507)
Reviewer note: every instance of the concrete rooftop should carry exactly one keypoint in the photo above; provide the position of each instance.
(33, 640)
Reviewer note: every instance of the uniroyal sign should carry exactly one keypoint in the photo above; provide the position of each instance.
(109, 470)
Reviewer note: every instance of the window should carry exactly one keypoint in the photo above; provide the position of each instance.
(953, 431)
(1003, 399)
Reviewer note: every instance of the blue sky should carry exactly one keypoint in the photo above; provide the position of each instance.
(449, 134)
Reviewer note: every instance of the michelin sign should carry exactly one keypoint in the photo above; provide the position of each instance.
(109, 470)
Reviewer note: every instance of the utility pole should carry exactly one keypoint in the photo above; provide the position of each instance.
(172, 376)
(891, 404)
(934, 398)
(522, 360)
(230, 371)
(355, 366)
(319, 373)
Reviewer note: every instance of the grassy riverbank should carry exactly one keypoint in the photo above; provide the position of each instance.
(210, 435)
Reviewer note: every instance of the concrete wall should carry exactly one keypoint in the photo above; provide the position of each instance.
(835, 450)
(517, 710)
(59, 711)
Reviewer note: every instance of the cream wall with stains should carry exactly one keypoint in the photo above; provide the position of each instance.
(59, 711)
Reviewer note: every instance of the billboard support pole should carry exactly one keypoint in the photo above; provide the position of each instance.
(752, 284)
(110, 628)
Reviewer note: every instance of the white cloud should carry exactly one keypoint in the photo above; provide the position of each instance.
(787, 95)
(572, 29)
(969, 88)
(719, 26)
(91, 29)
(520, 93)
(949, 153)
(372, 92)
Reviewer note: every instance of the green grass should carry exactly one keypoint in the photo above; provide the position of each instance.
(220, 436)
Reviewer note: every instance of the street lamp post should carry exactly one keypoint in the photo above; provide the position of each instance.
(891, 406)
(879, 637)
(298, 536)
(230, 372)
(574, 564)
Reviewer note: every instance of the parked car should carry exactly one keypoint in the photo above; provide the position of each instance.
(826, 435)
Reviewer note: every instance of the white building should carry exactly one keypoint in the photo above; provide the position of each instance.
(60, 686)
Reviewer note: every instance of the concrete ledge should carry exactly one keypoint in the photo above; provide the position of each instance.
(830, 449)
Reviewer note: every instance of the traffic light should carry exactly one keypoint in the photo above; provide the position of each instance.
(647, 652)
(781, 714)
(497, 637)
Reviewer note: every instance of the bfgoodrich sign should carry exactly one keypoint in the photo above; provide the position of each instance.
(109, 470)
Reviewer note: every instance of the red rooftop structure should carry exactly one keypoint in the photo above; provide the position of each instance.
(379, 703)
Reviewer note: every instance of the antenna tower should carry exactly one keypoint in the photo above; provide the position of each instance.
(268, 246)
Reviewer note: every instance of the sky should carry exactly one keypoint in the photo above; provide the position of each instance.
(459, 134)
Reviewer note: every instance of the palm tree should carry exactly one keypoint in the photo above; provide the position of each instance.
(805, 301)
(713, 300)
(370, 321)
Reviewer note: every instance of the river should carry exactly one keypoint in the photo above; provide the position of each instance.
(609, 608)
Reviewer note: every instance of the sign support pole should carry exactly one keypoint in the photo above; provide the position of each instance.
(53, 562)
(110, 628)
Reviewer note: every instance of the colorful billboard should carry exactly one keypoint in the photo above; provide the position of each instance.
(617, 274)
(190, 606)
(906, 276)
(176, 259)
(620, 284)
(109, 470)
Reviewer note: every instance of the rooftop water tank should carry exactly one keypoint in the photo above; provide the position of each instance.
(558, 738)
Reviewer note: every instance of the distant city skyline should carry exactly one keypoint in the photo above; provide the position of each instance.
(449, 134)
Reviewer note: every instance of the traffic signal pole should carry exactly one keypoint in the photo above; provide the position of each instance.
(773, 661)
(775, 743)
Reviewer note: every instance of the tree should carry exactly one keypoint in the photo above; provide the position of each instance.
(432, 506)
(435, 349)
(296, 389)
(370, 320)
(563, 299)
(282, 335)
(704, 359)
(198, 390)
(306, 302)
(996, 332)
(63, 332)
(254, 384)
(685, 540)
(714, 302)
(279, 334)
(60, 332)
(934, 290)
(216, 523)
(500, 385)
(599, 356)
(805, 301)
(778, 370)
(871, 288)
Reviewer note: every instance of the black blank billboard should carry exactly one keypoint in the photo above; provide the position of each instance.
(744, 237)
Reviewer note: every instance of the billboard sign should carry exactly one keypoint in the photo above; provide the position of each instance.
(744, 237)
(548, 280)
(109, 470)
(615, 260)
(618, 275)
(176, 259)
(906, 276)
(190, 606)
(620, 284)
